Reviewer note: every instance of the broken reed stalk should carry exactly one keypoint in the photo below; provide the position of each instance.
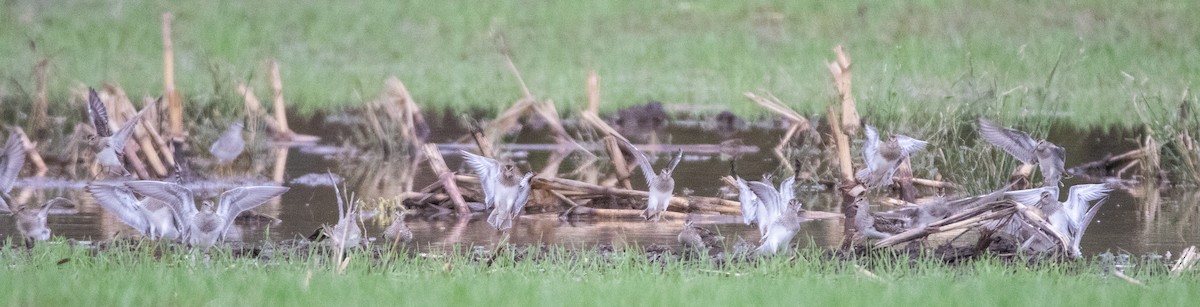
(593, 92)
(849, 187)
(31, 154)
(253, 108)
(840, 70)
(904, 179)
(38, 120)
(174, 100)
(409, 113)
(618, 160)
(799, 123)
(621, 213)
(682, 203)
(151, 127)
(549, 113)
(277, 91)
(1187, 259)
(438, 165)
(502, 124)
(279, 168)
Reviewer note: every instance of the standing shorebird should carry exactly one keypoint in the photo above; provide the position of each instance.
(1048, 156)
(698, 238)
(109, 146)
(398, 233)
(882, 159)
(151, 217)
(229, 145)
(208, 225)
(661, 186)
(503, 188)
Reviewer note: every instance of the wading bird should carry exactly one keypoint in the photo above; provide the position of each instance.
(206, 226)
(398, 232)
(1048, 156)
(765, 213)
(882, 159)
(661, 186)
(347, 232)
(30, 220)
(109, 146)
(504, 188)
(782, 228)
(697, 238)
(229, 145)
(1070, 218)
(151, 217)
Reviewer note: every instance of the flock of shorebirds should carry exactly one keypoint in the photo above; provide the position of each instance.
(777, 213)
(165, 210)
(161, 210)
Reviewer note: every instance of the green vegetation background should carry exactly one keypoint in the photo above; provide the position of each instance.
(1086, 61)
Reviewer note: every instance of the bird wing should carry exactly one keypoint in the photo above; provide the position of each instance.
(748, 200)
(675, 161)
(909, 145)
(522, 196)
(870, 150)
(1017, 143)
(642, 161)
(118, 199)
(4, 208)
(235, 201)
(11, 162)
(1083, 224)
(488, 170)
(122, 135)
(1080, 195)
(767, 195)
(787, 190)
(1030, 197)
(180, 199)
(98, 114)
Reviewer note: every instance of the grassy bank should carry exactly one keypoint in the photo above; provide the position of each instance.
(58, 275)
(1085, 61)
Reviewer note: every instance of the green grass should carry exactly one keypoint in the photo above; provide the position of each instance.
(1083, 61)
(560, 278)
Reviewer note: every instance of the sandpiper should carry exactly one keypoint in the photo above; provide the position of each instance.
(661, 186)
(1048, 156)
(504, 188)
(206, 226)
(229, 145)
(882, 159)
(109, 146)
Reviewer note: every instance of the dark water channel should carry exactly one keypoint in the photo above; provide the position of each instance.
(1142, 220)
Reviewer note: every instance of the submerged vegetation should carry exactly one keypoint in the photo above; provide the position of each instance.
(1083, 61)
(60, 274)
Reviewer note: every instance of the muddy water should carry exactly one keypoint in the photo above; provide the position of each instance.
(1140, 221)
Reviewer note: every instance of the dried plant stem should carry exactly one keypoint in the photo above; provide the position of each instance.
(174, 100)
(38, 120)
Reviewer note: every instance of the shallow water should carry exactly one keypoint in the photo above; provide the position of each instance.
(1152, 221)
